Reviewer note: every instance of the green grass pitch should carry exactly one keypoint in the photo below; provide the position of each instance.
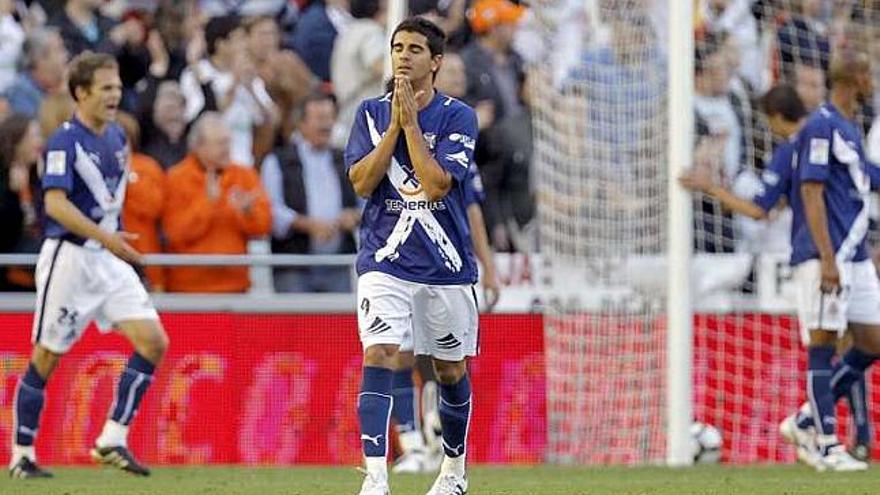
(542, 480)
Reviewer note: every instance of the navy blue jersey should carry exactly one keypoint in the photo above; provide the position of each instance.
(776, 179)
(92, 170)
(830, 151)
(402, 233)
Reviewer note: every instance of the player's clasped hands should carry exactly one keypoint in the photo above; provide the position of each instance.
(407, 108)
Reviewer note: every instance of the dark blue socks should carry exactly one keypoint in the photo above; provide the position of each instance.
(28, 406)
(455, 412)
(403, 391)
(374, 410)
(135, 379)
(819, 393)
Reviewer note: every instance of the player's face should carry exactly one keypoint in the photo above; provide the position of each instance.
(411, 57)
(101, 101)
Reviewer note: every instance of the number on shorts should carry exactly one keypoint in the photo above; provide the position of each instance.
(67, 317)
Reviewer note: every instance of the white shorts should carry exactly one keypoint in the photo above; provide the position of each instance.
(858, 301)
(76, 285)
(441, 319)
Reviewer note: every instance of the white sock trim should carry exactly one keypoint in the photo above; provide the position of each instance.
(19, 451)
(377, 466)
(113, 435)
(454, 465)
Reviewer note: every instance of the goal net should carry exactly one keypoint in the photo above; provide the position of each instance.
(601, 135)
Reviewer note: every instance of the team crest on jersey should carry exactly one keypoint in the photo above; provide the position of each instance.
(411, 185)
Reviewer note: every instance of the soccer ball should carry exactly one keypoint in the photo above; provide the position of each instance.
(705, 443)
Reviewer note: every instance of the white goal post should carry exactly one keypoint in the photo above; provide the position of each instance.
(679, 317)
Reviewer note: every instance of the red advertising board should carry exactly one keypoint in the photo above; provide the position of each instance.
(281, 389)
(265, 389)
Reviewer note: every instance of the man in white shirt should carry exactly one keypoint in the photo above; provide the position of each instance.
(227, 81)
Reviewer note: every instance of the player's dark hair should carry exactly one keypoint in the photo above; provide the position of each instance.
(81, 73)
(783, 100)
(435, 35)
(219, 29)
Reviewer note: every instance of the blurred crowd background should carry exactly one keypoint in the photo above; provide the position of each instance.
(238, 111)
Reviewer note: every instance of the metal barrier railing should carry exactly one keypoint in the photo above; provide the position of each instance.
(261, 297)
(215, 259)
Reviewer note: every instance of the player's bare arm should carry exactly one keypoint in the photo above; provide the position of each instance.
(489, 277)
(700, 180)
(817, 218)
(366, 174)
(434, 179)
(59, 207)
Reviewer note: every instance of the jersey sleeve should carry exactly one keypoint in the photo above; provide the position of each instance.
(59, 159)
(455, 149)
(360, 143)
(474, 191)
(776, 179)
(814, 151)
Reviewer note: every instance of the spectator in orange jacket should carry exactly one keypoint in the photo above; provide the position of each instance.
(212, 206)
(144, 199)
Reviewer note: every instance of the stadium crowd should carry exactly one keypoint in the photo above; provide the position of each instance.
(237, 112)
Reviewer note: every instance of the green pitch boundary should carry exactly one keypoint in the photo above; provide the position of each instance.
(543, 480)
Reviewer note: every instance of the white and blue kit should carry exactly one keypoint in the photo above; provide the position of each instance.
(830, 150)
(776, 179)
(77, 279)
(474, 194)
(415, 264)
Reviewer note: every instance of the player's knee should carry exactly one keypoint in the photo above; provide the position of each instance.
(155, 344)
(868, 341)
(822, 338)
(162, 342)
(404, 360)
(380, 356)
(449, 372)
(44, 360)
